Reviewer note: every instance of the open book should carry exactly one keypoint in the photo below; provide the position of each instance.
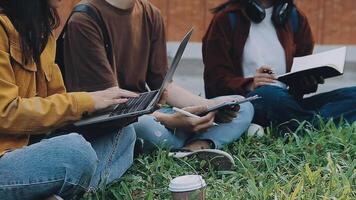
(326, 64)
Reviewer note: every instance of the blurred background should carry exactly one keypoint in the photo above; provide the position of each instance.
(333, 23)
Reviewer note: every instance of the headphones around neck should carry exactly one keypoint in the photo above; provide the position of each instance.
(281, 11)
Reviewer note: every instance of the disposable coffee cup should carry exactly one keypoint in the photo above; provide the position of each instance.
(189, 187)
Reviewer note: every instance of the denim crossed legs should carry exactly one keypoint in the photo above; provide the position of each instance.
(155, 134)
(66, 165)
(278, 106)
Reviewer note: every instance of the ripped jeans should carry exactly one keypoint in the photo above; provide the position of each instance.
(154, 134)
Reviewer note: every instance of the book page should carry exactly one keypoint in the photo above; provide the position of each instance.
(334, 58)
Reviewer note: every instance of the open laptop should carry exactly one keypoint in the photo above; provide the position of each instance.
(141, 105)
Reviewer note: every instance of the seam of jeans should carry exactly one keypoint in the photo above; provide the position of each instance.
(117, 180)
(109, 161)
(42, 182)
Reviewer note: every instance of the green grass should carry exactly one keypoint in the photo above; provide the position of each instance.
(310, 164)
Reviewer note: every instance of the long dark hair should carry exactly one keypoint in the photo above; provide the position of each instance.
(35, 21)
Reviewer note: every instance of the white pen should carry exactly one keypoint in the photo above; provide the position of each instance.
(188, 114)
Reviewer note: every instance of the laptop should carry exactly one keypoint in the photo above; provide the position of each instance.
(144, 104)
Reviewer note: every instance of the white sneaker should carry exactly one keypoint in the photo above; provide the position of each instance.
(54, 197)
(255, 130)
(215, 158)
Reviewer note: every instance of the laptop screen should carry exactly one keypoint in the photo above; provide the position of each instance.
(176, 60)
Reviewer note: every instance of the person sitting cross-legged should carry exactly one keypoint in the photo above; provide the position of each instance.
(139, 56)
(249, 43)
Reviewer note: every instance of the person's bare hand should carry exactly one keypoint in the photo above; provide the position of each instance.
(112, 96)
(190, 124)
(225, 115)
(264, 76)
(163, 100)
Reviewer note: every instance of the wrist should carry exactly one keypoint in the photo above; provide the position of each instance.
(162, 118)
(251, 86)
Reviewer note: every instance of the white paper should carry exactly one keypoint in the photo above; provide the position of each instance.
(334, 58)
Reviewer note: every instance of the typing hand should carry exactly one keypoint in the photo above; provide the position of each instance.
(112, 96)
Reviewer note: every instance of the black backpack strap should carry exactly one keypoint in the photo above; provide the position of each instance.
(295, 20)
(89, 10)
(233, 20)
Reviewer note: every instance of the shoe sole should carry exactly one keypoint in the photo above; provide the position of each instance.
(215, 158)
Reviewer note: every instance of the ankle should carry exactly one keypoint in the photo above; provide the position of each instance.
(198, 145)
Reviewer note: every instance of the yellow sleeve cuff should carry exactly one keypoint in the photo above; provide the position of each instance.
(85, 103)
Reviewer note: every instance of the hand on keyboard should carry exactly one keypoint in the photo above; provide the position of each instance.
(137, 103)
(106, 98)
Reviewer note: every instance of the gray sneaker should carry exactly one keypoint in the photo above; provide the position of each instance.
(216, 159)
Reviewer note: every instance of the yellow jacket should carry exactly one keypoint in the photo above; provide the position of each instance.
(33, 99)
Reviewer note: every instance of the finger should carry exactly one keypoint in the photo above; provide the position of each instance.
(119, 101)
(164, 97)
(259, 84)
(267, 76)
(203, 120)
(224, 119)
(266, 80)
(203, 127)
(210, 116)
(110, 102)
(236, 108)
(229, 113)
(128, 94)
(263, 69)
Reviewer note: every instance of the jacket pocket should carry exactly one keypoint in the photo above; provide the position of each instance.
(47, 62)
(16, 55)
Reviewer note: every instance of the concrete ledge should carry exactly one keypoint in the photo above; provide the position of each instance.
(193, 50)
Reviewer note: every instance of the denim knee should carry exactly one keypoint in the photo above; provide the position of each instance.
(269, 93)
(347, 93)
(247, 111)
(78, 159)
(88, 158)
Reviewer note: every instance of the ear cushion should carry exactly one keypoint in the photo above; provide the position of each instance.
(255, 11)
(281, 12)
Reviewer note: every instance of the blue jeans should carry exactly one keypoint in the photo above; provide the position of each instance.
(278, 106)
(66, 165)
(155, 134)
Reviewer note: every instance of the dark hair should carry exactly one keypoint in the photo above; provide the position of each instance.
(34, 20)
(224, 5)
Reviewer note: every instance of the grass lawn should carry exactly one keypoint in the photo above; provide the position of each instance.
(310, 164)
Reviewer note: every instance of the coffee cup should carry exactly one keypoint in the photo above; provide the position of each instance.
(189, 187)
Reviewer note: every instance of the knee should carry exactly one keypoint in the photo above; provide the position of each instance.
(347, 93)
(268, 92)
(78, 156)
(129, 134)
(144, 123)
(247, 111)
(270, 95)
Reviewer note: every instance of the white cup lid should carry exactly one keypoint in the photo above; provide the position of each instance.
(187, 183)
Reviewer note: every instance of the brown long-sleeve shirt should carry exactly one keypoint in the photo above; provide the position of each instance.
(138, 42)
(223, 50)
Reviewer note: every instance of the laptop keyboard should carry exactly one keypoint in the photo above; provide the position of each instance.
(134, 104)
